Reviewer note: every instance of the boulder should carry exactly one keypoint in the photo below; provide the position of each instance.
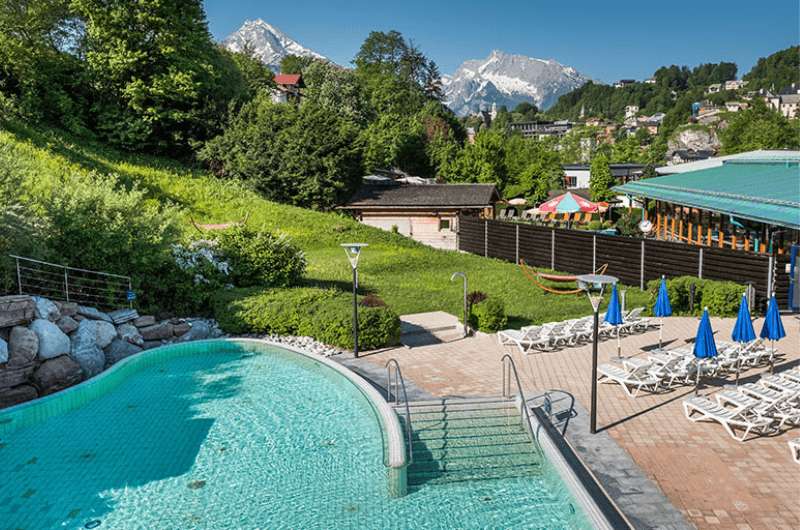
(86, 352)
(181, 328)
(118, 350)
(52, 341)
(12, 376)
(143, 322)
(69, 309)
(57, 374)
(160, 331)
(130, 333)
(3, 351)
(120, 316)
(200, 330)
(67, 324)
(150, 344)
(93, 313)
(96, 331)
(16, 395)
(15, 310)
(46, 309)
(23, 345)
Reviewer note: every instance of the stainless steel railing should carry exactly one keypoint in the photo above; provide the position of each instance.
(509, 368)
(399, 383)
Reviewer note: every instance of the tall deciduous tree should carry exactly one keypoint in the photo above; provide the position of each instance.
(600, 179)
(159, 81)
(759, 127)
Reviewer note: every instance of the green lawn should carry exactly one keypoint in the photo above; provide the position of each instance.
(410, 277)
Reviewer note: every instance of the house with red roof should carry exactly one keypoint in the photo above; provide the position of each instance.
(287, 88)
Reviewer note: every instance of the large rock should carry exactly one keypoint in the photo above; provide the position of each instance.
(181, 328)
(160, 331)
(144, 321)
(200, 330)
(118, 350)
(23, 345)
(11, 376)
(57, 374)
(15, 310)
(69, 309)
(93, 313)
(120, 316)
(130, 333)
(52, 341)
(87, 353)
(3, 351)
(46, 309)
(18, 394)
(67, 324)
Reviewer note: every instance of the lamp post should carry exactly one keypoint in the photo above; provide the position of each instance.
(594, 285)
(353, 252)
(464, 276)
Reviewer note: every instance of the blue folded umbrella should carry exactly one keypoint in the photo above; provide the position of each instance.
(614, 312)
(743, 329)
(662, 308)
(773, 327)
(704, 345)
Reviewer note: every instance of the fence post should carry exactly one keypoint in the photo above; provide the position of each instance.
(769, 277)
(594, 253)
(641, 268)
(66, 285)
(553, 249)
(485, 239)
(700, 264)
(516, 246)
(19, 277)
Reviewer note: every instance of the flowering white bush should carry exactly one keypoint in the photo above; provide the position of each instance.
(203, 261)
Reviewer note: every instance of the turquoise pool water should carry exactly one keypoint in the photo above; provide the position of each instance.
(212, 435)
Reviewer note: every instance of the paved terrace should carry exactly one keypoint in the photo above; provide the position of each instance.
(715, 481)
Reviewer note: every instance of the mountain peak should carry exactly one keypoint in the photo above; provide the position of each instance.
(269, 43)
(508, 79)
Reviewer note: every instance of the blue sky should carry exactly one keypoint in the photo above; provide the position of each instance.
(604, 39)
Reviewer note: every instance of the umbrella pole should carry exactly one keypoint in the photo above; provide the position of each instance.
(697, 382)
(619, 345)
(772, 357)
(660, 333)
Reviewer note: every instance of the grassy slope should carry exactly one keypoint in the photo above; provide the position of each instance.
(410, 277)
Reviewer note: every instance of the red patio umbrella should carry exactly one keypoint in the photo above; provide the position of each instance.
(568, 203)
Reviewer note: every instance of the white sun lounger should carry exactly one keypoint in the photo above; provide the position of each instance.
(631, 378)
(525, 339)
(700, 408)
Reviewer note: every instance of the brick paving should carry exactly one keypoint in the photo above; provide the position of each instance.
(715, 481)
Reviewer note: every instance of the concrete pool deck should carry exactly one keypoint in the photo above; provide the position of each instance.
(715, 481)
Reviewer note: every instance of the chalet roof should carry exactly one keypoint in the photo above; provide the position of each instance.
(766, 191)
(617, 170)
(398, 195)
(288, 79)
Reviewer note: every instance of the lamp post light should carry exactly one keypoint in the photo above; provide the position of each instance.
(353, 252)
(594, 285)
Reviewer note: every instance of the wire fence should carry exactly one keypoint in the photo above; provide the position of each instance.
(70, 284)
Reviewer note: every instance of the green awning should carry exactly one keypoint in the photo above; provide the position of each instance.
(763, 191)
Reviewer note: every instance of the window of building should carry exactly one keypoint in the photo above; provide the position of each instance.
(444, 224)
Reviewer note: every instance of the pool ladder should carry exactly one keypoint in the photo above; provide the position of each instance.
(509, 369)
(397, 382)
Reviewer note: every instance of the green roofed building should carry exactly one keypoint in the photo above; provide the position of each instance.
(743, 203)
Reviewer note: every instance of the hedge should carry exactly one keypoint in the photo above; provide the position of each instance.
(324, 314)
(721, 298)
(488, 315)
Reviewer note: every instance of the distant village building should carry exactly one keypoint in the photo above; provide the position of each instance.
(735, 106)
(714, 88)
(577, 178)
(786, 103)
(419, 209)
(650, 81)
(631, 111)
(541, 129)
(734, 84)
(683, 156)
(624, 82)
(287, 88)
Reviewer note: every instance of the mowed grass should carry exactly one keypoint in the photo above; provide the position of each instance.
(410, 277)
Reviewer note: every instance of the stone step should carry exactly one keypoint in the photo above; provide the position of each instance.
(523, 450)
(462, 475)
(488, 462)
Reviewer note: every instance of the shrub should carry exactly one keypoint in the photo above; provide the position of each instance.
(323, 314)
(259, 258)
(722, 298)
(489, 315)
(475, 297)
(372, 300)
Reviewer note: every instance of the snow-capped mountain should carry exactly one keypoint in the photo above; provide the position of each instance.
(268, 42)
(507, 79)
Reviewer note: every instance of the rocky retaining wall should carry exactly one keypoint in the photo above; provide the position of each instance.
(46, 345)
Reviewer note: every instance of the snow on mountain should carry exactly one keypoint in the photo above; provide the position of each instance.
(507, 79)
(268, 42)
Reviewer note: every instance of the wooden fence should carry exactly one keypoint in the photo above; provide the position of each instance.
(634, 261)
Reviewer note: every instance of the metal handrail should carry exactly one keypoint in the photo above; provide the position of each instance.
(399, 382)
(509, 365)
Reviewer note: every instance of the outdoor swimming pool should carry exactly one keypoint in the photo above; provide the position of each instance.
(221, 434)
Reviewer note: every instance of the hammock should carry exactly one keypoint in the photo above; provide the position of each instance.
(534, 276)
(219, 226)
